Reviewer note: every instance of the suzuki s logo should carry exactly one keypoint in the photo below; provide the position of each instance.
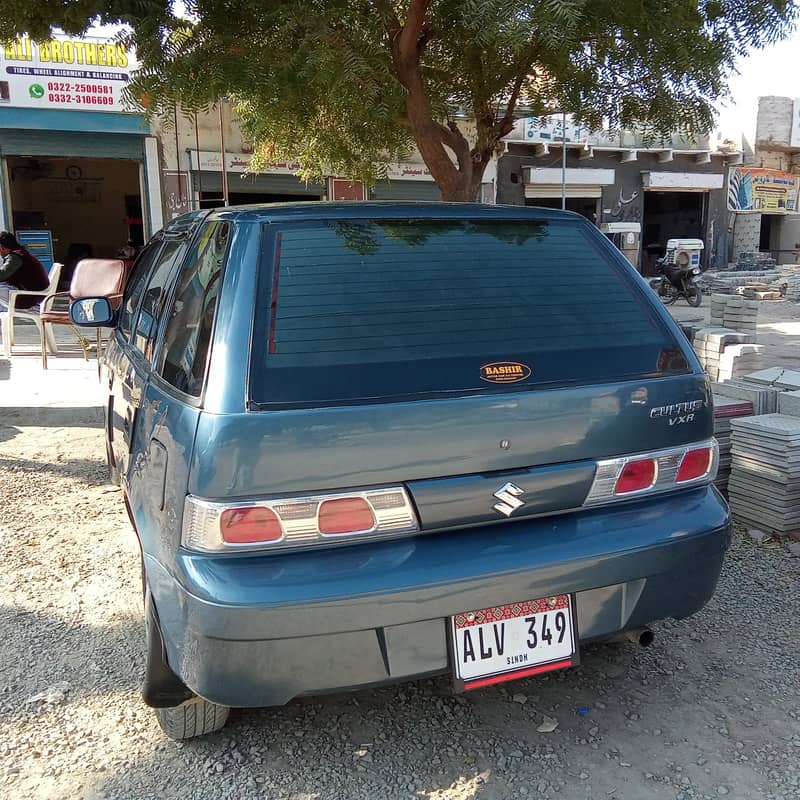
(508, 495)
(505, 372)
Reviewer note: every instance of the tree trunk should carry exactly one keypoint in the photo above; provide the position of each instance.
(460, 181)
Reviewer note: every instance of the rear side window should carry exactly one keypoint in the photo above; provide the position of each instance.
(372, 310)
(152, 303)
(135, 286)
(188, 333)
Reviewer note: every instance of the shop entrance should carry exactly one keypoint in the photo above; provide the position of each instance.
(586, 206)
(670, 215)
(91, 206)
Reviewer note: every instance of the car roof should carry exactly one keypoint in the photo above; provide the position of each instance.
(292, 212)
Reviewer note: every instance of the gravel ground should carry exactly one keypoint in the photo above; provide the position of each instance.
(710, 710)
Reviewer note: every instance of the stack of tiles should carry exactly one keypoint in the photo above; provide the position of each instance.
(737, 360)
(763, 398)
(764, 484)
(793, 287)
(725, 353)
(750, 261)
(741, 314)
(728, 281)
(789, 403)
(725, 410)
(718, 302)
(787, 380)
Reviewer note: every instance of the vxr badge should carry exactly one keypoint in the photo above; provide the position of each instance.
(508, 495)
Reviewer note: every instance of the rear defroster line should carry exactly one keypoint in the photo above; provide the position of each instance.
(273, 306)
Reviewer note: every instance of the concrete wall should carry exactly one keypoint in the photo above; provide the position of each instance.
(774, 122)
(789, 236)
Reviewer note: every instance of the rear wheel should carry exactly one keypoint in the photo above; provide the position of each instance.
(195, 717)
(180, 713)
(694, 296)
(668, 294)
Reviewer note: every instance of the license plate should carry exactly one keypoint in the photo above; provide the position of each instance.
(502, 643)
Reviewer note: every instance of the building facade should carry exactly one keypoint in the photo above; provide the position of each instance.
(674, 190)
(192, 165)
(764, 196)
(75, 165)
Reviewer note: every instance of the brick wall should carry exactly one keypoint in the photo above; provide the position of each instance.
(746, 233)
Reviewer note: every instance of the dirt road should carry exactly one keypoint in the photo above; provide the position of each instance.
(712, 709)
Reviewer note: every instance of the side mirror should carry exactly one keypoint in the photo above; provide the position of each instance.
(92, 312)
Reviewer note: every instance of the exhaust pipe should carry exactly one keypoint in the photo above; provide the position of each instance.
(641, 636)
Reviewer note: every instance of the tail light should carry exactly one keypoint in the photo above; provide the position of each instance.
(637, 476)
(298, 521)
(695, 464)
(248, 525)
(648, 473)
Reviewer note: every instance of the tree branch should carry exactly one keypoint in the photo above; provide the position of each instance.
(459, 145)
(408, 43)
(506, 123)
(390, 20)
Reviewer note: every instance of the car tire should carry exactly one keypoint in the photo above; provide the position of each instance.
(195, 717)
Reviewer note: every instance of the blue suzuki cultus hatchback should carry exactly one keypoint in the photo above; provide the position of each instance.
(365, 443)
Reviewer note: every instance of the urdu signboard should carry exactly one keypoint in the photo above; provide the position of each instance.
(764, 190)
(86, 74)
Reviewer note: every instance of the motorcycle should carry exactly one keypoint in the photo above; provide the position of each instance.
(677, 280)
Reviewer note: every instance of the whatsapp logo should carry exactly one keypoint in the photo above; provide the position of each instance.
(36, 91)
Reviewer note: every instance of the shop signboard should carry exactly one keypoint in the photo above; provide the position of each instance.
(211, 161)
(408, 172)
(551, 129)
(763, 190)
(81, 74)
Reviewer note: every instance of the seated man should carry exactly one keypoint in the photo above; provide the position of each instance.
(19, 270)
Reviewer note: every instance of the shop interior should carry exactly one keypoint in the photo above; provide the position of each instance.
(586, 206)
(90, 206)
(669, 215)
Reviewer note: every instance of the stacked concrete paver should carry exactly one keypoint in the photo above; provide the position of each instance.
(761, 452)
(726, 353)
(764, 485)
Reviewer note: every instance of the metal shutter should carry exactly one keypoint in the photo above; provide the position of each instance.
(70, 144)
(406, 190)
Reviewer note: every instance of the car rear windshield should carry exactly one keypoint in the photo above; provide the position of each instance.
(371, 310)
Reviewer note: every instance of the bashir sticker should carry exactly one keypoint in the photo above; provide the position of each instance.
(505, 372)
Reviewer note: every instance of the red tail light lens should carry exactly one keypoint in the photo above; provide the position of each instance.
(695, 464)
(287, 523)
(637, 475)
(345, 515)
(250, 525)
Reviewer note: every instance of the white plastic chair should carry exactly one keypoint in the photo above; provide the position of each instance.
(7, 317)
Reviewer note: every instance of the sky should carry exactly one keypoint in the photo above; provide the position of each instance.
(771, 71)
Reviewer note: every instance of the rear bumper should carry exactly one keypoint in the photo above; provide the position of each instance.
(258, 631)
